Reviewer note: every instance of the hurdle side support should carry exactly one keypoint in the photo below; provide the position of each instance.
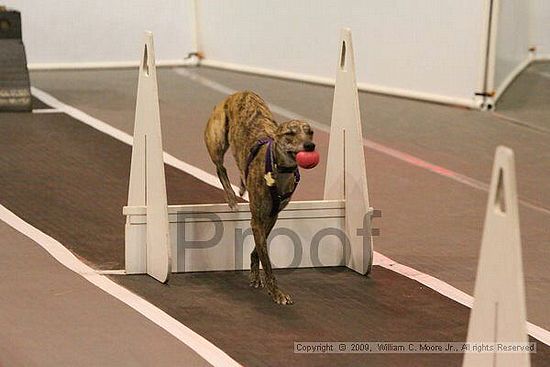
(147, 186)
(346, 177)
(498, 314)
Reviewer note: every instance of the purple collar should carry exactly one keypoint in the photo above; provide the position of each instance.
(276, 198)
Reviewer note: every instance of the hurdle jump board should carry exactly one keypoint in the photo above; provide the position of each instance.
(335, 231)
(211, 238)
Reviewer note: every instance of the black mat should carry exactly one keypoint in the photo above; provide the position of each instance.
(71, 181)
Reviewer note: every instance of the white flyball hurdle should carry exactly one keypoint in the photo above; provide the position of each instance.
(498, 314)
(182, 238)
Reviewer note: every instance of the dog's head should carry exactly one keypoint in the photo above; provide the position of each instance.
(294, 136)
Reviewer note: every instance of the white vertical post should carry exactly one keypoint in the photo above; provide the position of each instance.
(346, 176)
(498, 314)
(487, 63)
(147, 179)
(195, 25)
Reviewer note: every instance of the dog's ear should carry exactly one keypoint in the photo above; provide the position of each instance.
(307, 129)
(285, 129)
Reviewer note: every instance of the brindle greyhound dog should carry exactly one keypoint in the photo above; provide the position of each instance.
(265, 153)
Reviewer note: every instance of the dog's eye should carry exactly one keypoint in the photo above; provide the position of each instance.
(290, 132)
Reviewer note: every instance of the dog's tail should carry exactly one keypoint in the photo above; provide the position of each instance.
(216, 133)
(216, 138)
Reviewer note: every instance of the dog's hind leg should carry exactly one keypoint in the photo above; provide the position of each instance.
(217, 143)
(254, 276)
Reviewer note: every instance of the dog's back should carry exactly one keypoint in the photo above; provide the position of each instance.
(238, 121)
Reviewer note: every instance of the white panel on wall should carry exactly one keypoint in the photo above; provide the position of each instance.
(512, 43)
(426, 47)
(540, 27)
(92, 31)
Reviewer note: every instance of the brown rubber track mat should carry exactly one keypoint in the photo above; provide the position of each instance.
(38, 104)
(331, 304)
(430, 223)
(71, 181)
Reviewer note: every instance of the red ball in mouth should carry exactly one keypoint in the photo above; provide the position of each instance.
(307, 160)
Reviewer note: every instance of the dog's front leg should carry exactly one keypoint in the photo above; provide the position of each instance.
(242, 188)
(255, 277)
(261, 230)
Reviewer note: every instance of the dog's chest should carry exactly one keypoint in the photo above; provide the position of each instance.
(286, 183)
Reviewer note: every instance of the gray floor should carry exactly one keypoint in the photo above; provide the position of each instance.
(51, 316)
(430, 222)
(528, 100)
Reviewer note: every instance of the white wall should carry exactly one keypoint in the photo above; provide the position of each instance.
(540, 27)
(431, 47)
(512, 43)
(88, 31)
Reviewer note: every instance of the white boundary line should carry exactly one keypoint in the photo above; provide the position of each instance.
(199, 344)
(124, 137)
(437, 285)
(402, 156)
(448, 291)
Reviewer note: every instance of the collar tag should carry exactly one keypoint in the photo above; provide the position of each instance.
(270, 181)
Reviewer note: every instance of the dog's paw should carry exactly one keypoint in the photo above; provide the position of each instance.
(242, 190)
(233, 205)
(256, 280)
(281, 297)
